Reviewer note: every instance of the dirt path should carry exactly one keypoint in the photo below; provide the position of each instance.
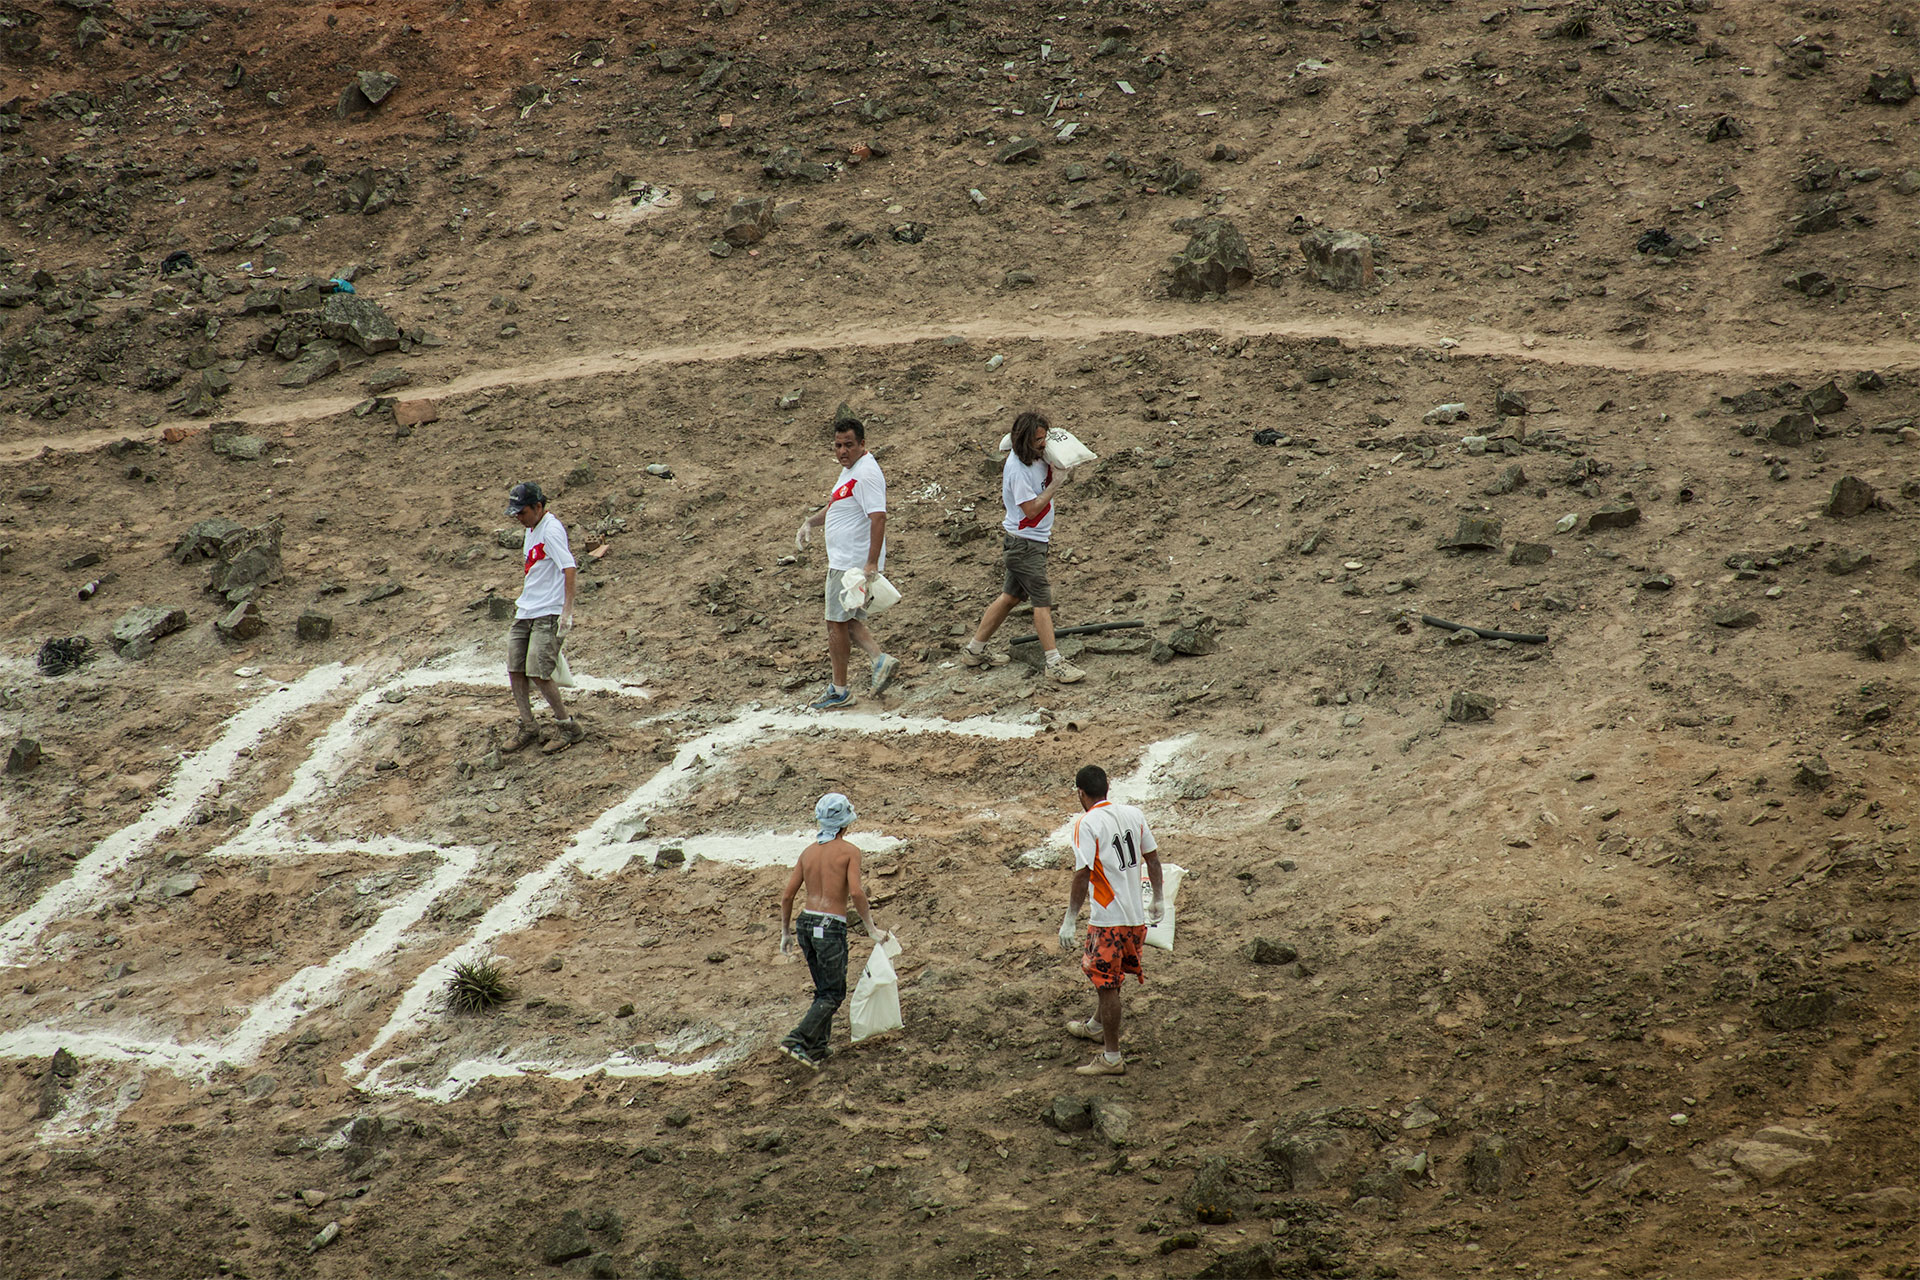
(1066, 326)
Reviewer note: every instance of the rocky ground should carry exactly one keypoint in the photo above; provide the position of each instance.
(1591, 956)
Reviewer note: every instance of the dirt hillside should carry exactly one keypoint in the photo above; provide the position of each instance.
(1586, 953)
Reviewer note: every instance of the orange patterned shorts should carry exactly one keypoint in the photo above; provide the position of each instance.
(1112, 952)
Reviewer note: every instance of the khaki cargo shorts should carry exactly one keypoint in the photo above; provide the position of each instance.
(533, 646)
(1026, 571)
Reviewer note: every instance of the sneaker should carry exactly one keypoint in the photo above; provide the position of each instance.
(1064, 672)
(842, 699)
(985, 658)
(885, 668)
(1101, 1067)
(1086, 1030)
(799, 1055)
(528, 735)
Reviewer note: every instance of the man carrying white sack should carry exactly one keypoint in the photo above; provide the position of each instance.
(1027, 485)
(830, 870)
(855, 519)
(542, 617)
(1109, 841)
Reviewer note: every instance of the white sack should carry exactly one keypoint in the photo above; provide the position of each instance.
(876, 998)
(881, 595)
(562, 674)
(1161, 935)
(1063, 451)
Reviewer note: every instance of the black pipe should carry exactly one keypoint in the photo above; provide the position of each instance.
(1518, 637)
(1090, 629)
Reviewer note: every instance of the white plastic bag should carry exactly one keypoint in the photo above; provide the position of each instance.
(562, 674)
(854, 590)
(1161, 935)
(1063, 451)
(881, 595)
(876, 997)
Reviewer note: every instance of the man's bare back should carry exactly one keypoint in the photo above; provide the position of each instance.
(831, 874)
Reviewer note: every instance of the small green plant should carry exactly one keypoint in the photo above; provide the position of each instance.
(477, 986)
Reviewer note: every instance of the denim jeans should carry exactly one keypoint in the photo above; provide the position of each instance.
(823, 941)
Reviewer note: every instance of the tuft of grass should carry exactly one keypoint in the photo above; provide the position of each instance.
(477, 986)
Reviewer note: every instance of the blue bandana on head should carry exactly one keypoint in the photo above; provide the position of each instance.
(834, 813)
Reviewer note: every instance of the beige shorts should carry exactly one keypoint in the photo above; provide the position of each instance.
(533, 646)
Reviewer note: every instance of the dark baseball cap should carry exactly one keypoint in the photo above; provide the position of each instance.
(523, 495)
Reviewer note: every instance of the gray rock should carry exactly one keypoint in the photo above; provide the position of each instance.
(259, 1087)
(24, 755)
(1510, 478)
(1312, 1155)
(1735, 616)
(1851, 496)
(1158, 652)
(1887, 644)
(671, 855)
(1775, 1151)
(312, 628)
(1848, 560)
(247, 560)
(381, 381)
(1215, 1196)
(1813, 773)
(1475, 533)
(1614, 515)
(1815, 284)
(147, 624)
(203, 539)
(1119, 644)
(1657, 582)
(1339, 259)
(1445, 414)
(1908, 182)
(1019, 151)
(241, 448)
(747, 221)
(317, 360)
(1826, 399)
(241, 623)
(1510, 403)
(1113, 1121)
(1268, 951)
(367, 90)
(1196, 639)
(1890, 88)
(179, 886)
(65, 1066)
(1793, 430)
(1214, 261)
(500, 608)
(1492, 1165)
(565, 1240)
(352, 317)
(789, 164)
(1068, 1115)
(1894, 1204)
(1465, 707)
(1530, 553)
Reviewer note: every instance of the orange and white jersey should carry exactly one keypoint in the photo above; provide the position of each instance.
(1109, 840)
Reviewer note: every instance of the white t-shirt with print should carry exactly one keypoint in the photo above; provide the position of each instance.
(1022, 482)
(545, 557)
(860, 492)
(1109, 840)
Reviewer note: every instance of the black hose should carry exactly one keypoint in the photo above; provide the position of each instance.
(1090, 629)
(1485, 633)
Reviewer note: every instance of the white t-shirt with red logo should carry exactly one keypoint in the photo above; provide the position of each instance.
(545, 558)
(1022, 482)
(1109, 841)
(860, 492)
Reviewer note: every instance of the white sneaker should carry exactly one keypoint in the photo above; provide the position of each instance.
(1064, 672)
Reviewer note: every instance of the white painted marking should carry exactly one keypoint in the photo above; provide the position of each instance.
(1144, 784)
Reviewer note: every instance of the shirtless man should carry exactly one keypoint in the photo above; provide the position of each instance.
(830, 868)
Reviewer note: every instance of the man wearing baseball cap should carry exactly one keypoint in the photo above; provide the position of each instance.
(543, 617)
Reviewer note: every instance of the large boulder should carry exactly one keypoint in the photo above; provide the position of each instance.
(136, 630)
(1214, 261)
(348, 317)
(1339, 259)
(247, 559)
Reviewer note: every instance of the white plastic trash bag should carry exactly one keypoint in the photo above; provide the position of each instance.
(562, 673)
(876, 997)
(1161, 935)
(1064, 449)
(876, 595)
(881, 595)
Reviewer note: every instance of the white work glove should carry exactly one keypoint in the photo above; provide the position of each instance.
(566, 622)
(805, 536)
(786, 941)
(1066, 930)
(879, 935)
(1156, 910)
(853, 590)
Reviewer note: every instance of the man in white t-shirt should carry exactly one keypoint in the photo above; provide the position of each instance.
(855, 519)
(1110, 841)
(543, 615)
